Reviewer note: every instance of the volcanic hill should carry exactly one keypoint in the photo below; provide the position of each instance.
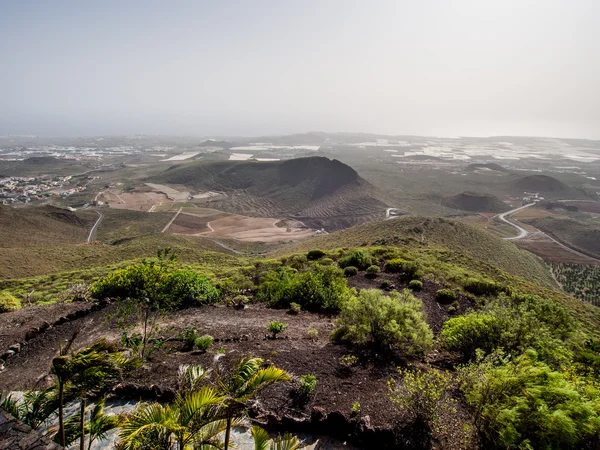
(472, 201)
(316, 190)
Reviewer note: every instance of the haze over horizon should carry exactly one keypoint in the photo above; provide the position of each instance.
(435, 68)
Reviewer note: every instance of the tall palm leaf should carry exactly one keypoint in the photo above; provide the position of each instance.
(191, 377)
(100, 423)
(243, 383)
(262, 441)
(192, 420)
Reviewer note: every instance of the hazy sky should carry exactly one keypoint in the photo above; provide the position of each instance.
(445, 68)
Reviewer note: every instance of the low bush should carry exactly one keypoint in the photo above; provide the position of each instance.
(514, 324)
(419, 393)
(203, 343)
(315, 254)
(479, 286)
(357, 258)
(415, 285)
(348, 360)
(350, 271)
(276, 328)
(186, 288)
(393, 265)
(295, 308)
(525, 404)
(240, 300)
(318, 289)
(372, 271)
(312, 333)
(396, 320)
(385, 284)
(8, 302)
(445, 296)
(307, 384)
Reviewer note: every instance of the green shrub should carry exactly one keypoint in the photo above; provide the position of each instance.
(393, 265)
(318, 289)
(240, 300)
(348, 360)
(385, 284)
(189, 336)
(445, 296)
(326, 261)
(419, 393)
(514, 324)
(312, 333)
(185, 288)
(315, 254)
(525, 404)
(350, 271)
(295, 308)
(203, 343)
(372, 271)
(308, 384)
(276, 328)
(588, 357)
(410, 269)
(415, 285)
(357, 258)
(396, 320)
(8, 302)
(482, 287)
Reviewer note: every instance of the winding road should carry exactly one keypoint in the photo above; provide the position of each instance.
(522, 231)
(95, 227)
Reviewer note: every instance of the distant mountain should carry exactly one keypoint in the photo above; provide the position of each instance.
(542, 184)
(213, 143)
(472, 201)
(38, 165)
(488, 166)
(316, 190)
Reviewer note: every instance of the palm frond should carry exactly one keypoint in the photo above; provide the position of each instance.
(11, 405)
(244, 371)
(261, 438)
(194, 407)
(264, 378)
(149, 422)
(191, 377)
(285, 442)
(100, 423)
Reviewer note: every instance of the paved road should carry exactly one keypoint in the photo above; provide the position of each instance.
(522, 231)
(172, 220)
(95, 227)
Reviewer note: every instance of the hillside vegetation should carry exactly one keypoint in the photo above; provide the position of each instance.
(575, 234)
(439, 233)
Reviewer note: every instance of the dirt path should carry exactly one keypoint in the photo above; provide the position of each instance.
(172, 220)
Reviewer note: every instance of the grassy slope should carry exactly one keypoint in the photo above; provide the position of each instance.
(43, 225)
(420, 232)
(27, 262)
(581, 236)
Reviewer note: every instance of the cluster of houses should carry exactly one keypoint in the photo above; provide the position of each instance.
(26, 189)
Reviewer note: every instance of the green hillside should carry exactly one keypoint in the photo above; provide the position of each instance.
(421, 232)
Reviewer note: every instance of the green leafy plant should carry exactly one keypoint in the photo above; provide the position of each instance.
(295, 308)
(276, 328)
(203, 343)
(348, 360)
(445, 296)
(360, 259)
(312, 333)
(419, 393)
(350, 271)
(8, 302)
(415, 285)
(396, 319)
(315, 254)
(307, 384)
(372, 271)
(356, 407)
